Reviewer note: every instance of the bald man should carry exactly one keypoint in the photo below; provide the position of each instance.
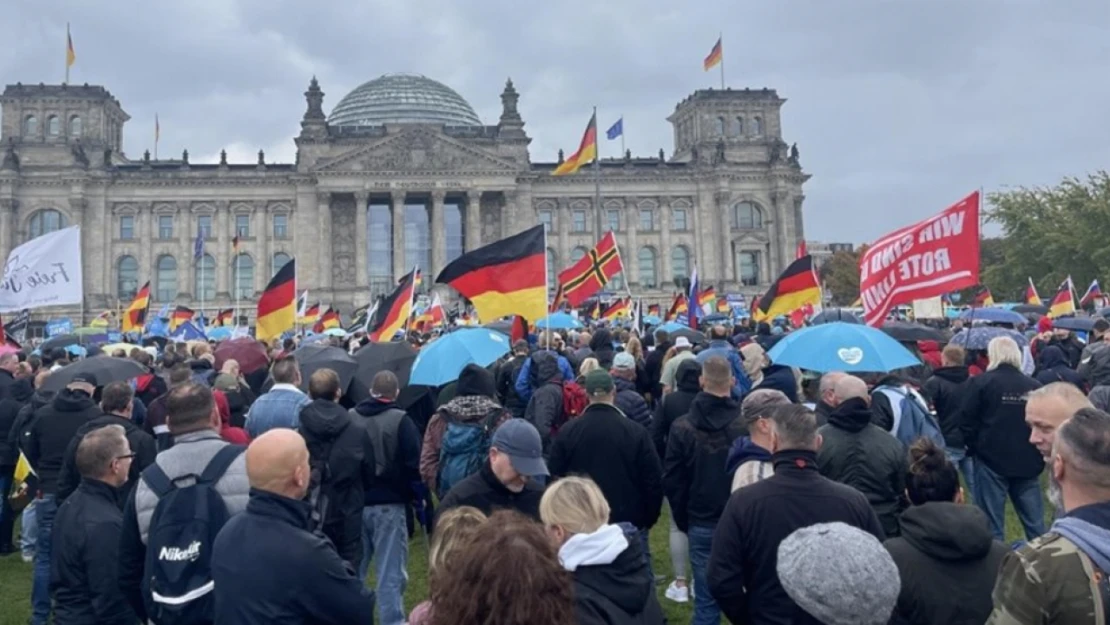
(862, 455)
(826, 401)
(267, 564)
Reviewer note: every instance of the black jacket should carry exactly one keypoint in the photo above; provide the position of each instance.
(653, 368)
(822, 412)
(1054, 367)
(694, 476)
(545, 408)
(19, 396)
(330, 431)
(398, 467)
(483, 491)
(7, 381)
(780, 378)
(631, 402)
(859, 454)
(1072, 348)
(203, 372)
(605, 446)
(675, 404)
(142, 445)
(84, 559)
(269, 568)
(948, 562)
(619, 593)
(506, 385)
(992, 417)
(21, 428)
(945, 390)
(741, 573)
(53, 428)
(149, 387)
(601, 344)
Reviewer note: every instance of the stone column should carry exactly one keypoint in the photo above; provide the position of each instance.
(263, 235)
(562, 223)
(143, 217)
(778, 239)
(665, 269)
(523, 207)
(77, 207)
(724, 272)
(304, 230)
(631, 253)
(397, 208)
(324, 251)
(473, 220)
(362, 267)
(182, 221)
(799, 223)
(7, 223)
(439, 233)
(225, 256)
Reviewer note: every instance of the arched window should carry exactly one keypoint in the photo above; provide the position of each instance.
(379, 239)
(53, 126)
(30, 125)
(204, 287)
(279, 261)
(242, 276)
(75, 126)
(738, 128)
(720, 126)
(746, 216)
(552, 270)
(46, 221)
(757, 126)
(453, 224)
(127, 278)
(747, 268)
(166, 282)
(680, 262)
(647, 268)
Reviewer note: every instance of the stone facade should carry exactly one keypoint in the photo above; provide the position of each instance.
(729, 199)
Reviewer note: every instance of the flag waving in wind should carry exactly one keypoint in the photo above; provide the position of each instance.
(1064, 302)
(1031, 295)
(198, 244)
(587, 151)
(1093, 294)
(715, 56)
(695, 306)
(616, 130)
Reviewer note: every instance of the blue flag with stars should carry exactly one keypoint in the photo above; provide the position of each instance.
(616, 130)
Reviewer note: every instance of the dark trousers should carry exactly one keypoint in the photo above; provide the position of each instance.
(7, 515)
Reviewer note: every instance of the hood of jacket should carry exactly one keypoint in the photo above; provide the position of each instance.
(21, 391)
(955, 375)
(601, 340)
(852, 415)
(611, 565)
(475, 380)
(200, 364)
(40, 398)
(1052, 356)
(687, 377)
(325, 419)
(69, 400)
(743, 450)
(469, 408)
(372, 407)
(710, 413)
(1089, 528)
(546, 367)
(947, 531)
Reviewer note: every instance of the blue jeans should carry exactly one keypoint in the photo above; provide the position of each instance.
(385, 533)
(706, 611)
(1025, 493)
(28, 526)
(958, 456)
(40, 584)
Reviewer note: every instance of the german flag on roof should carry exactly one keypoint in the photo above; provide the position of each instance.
(277, 308)
(508, 277)
(392, 313)
(587, 151)
(135, 316)
(796, 287)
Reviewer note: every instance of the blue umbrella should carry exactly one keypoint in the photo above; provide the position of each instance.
(442, 360)
(980, 337)
(559, 321)
(840, 346)
(993, 315)
(651, 320)
(673, 326)
(219, 334)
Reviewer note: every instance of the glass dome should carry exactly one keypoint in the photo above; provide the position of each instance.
(403, 99)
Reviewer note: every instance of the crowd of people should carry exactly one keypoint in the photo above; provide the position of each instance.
(192, 494)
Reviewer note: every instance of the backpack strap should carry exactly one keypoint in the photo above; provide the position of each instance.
(219, 463)
(492, 417)
(157, 480)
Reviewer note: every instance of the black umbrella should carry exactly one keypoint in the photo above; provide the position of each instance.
(694, 336)
(396, 356)
(62, 340)
(504, 326)
(835, 314)
(314, 356)
(1080, 324)
(105, 368)
(1031, 308)
(908, 332)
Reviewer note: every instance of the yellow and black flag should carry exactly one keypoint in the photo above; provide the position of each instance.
(507, 277)
(277, 307)
(796, 287)
(135, 316)
(393, 312)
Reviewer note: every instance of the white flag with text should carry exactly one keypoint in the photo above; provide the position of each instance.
(45, 271)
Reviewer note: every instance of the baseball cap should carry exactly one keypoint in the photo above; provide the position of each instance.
(84, 378)
(520, 441)
(682, 341)
(624, 360)
(598, 381)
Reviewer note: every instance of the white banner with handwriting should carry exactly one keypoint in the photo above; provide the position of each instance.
(45, 271)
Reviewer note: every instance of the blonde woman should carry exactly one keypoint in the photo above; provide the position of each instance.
(587, 366)
(755, 358)
(612, 582)
(454, 530)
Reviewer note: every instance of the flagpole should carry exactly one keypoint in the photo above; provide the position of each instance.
(597, 173)
(721, 38)
(68, 39)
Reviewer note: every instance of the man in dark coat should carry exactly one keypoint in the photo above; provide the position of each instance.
(780, 378)
(601, 343)
(1054, 367)
(8, 364)
(10, 407)
(826, 402)
(515, 456)
(628, 399)
(1071, 346)
(675, 404)
(506, 379)
(944, 390)
(653, 364)
(861, 455)
(545, 408)
(267, 565)
(85, 555)
(742, 575)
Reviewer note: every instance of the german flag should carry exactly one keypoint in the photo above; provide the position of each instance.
(394, 310)
(708, 296)
(277, 307)
(180, 315)
(618, 309)
(678, 306)
(311, 315)
(595, 311)
(655, 310)
(225, 317)
(723, 305)
(330, 319)
(135, 316)
(508, 277)
(587, 151)
(1031, 295)
(796, 287)
(983, 296)
(716, 55)
(1063, 303)
(592, 272)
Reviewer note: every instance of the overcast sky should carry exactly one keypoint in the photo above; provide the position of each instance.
(899, 107)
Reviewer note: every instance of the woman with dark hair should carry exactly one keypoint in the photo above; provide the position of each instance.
(508, 574)
(946, 556)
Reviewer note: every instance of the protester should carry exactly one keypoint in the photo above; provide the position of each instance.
(155, 423)
(1047, 408)
(528, 381)
(1054, 367)
(601, 344)
(515, 455)
(28, 525)
(863, 456)
(749, 459)
(755, 359)
(742, 568)
(683, 350)
(629, 400)
(85, 553)
(653, 364)
(239, 395)
(546, 408)
(827, 401)
(612, 579)
(946, 557)
(720, 347)
(506, 379)
(267, 565)
(1061, 576)
(19, 394)
(454, 530)
(944, 390)
(508, 574)
(280, 407)
(1094, 361)
(228, 432)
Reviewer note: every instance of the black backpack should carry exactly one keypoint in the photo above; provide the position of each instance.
(177, 576)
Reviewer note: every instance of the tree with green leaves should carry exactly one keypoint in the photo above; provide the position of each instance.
(840, 275)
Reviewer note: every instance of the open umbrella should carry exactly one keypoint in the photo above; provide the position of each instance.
(694, 336)
(396, 356)
(840, 346)
(1078, 324)
(105, 368)
(980, 337)
(830, 315)
(993, 315)
(559, 321)
(909, 332)
(504, 326)
(62, 340)
(313, 357)
(441, 361)
(249, 353)
(1030, 308)
(221, 333)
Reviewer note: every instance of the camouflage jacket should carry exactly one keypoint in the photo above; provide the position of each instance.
(1049, 580)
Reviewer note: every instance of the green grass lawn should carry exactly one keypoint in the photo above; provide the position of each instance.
(15, 576)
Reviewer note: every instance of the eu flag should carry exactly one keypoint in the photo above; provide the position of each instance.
(198, 244)
(616, 130)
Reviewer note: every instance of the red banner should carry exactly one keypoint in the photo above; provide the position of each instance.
(930, 258)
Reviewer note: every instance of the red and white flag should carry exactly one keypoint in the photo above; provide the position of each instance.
(932, 257)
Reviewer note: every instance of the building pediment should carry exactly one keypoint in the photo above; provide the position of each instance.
(752, 237)
(416, 151)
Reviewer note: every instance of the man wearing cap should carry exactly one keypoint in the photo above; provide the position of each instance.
(606, 446)
(628, 399)
(515, 456)
(683, 351)
(52, 428)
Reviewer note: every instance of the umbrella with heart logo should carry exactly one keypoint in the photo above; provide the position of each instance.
(840, 346)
